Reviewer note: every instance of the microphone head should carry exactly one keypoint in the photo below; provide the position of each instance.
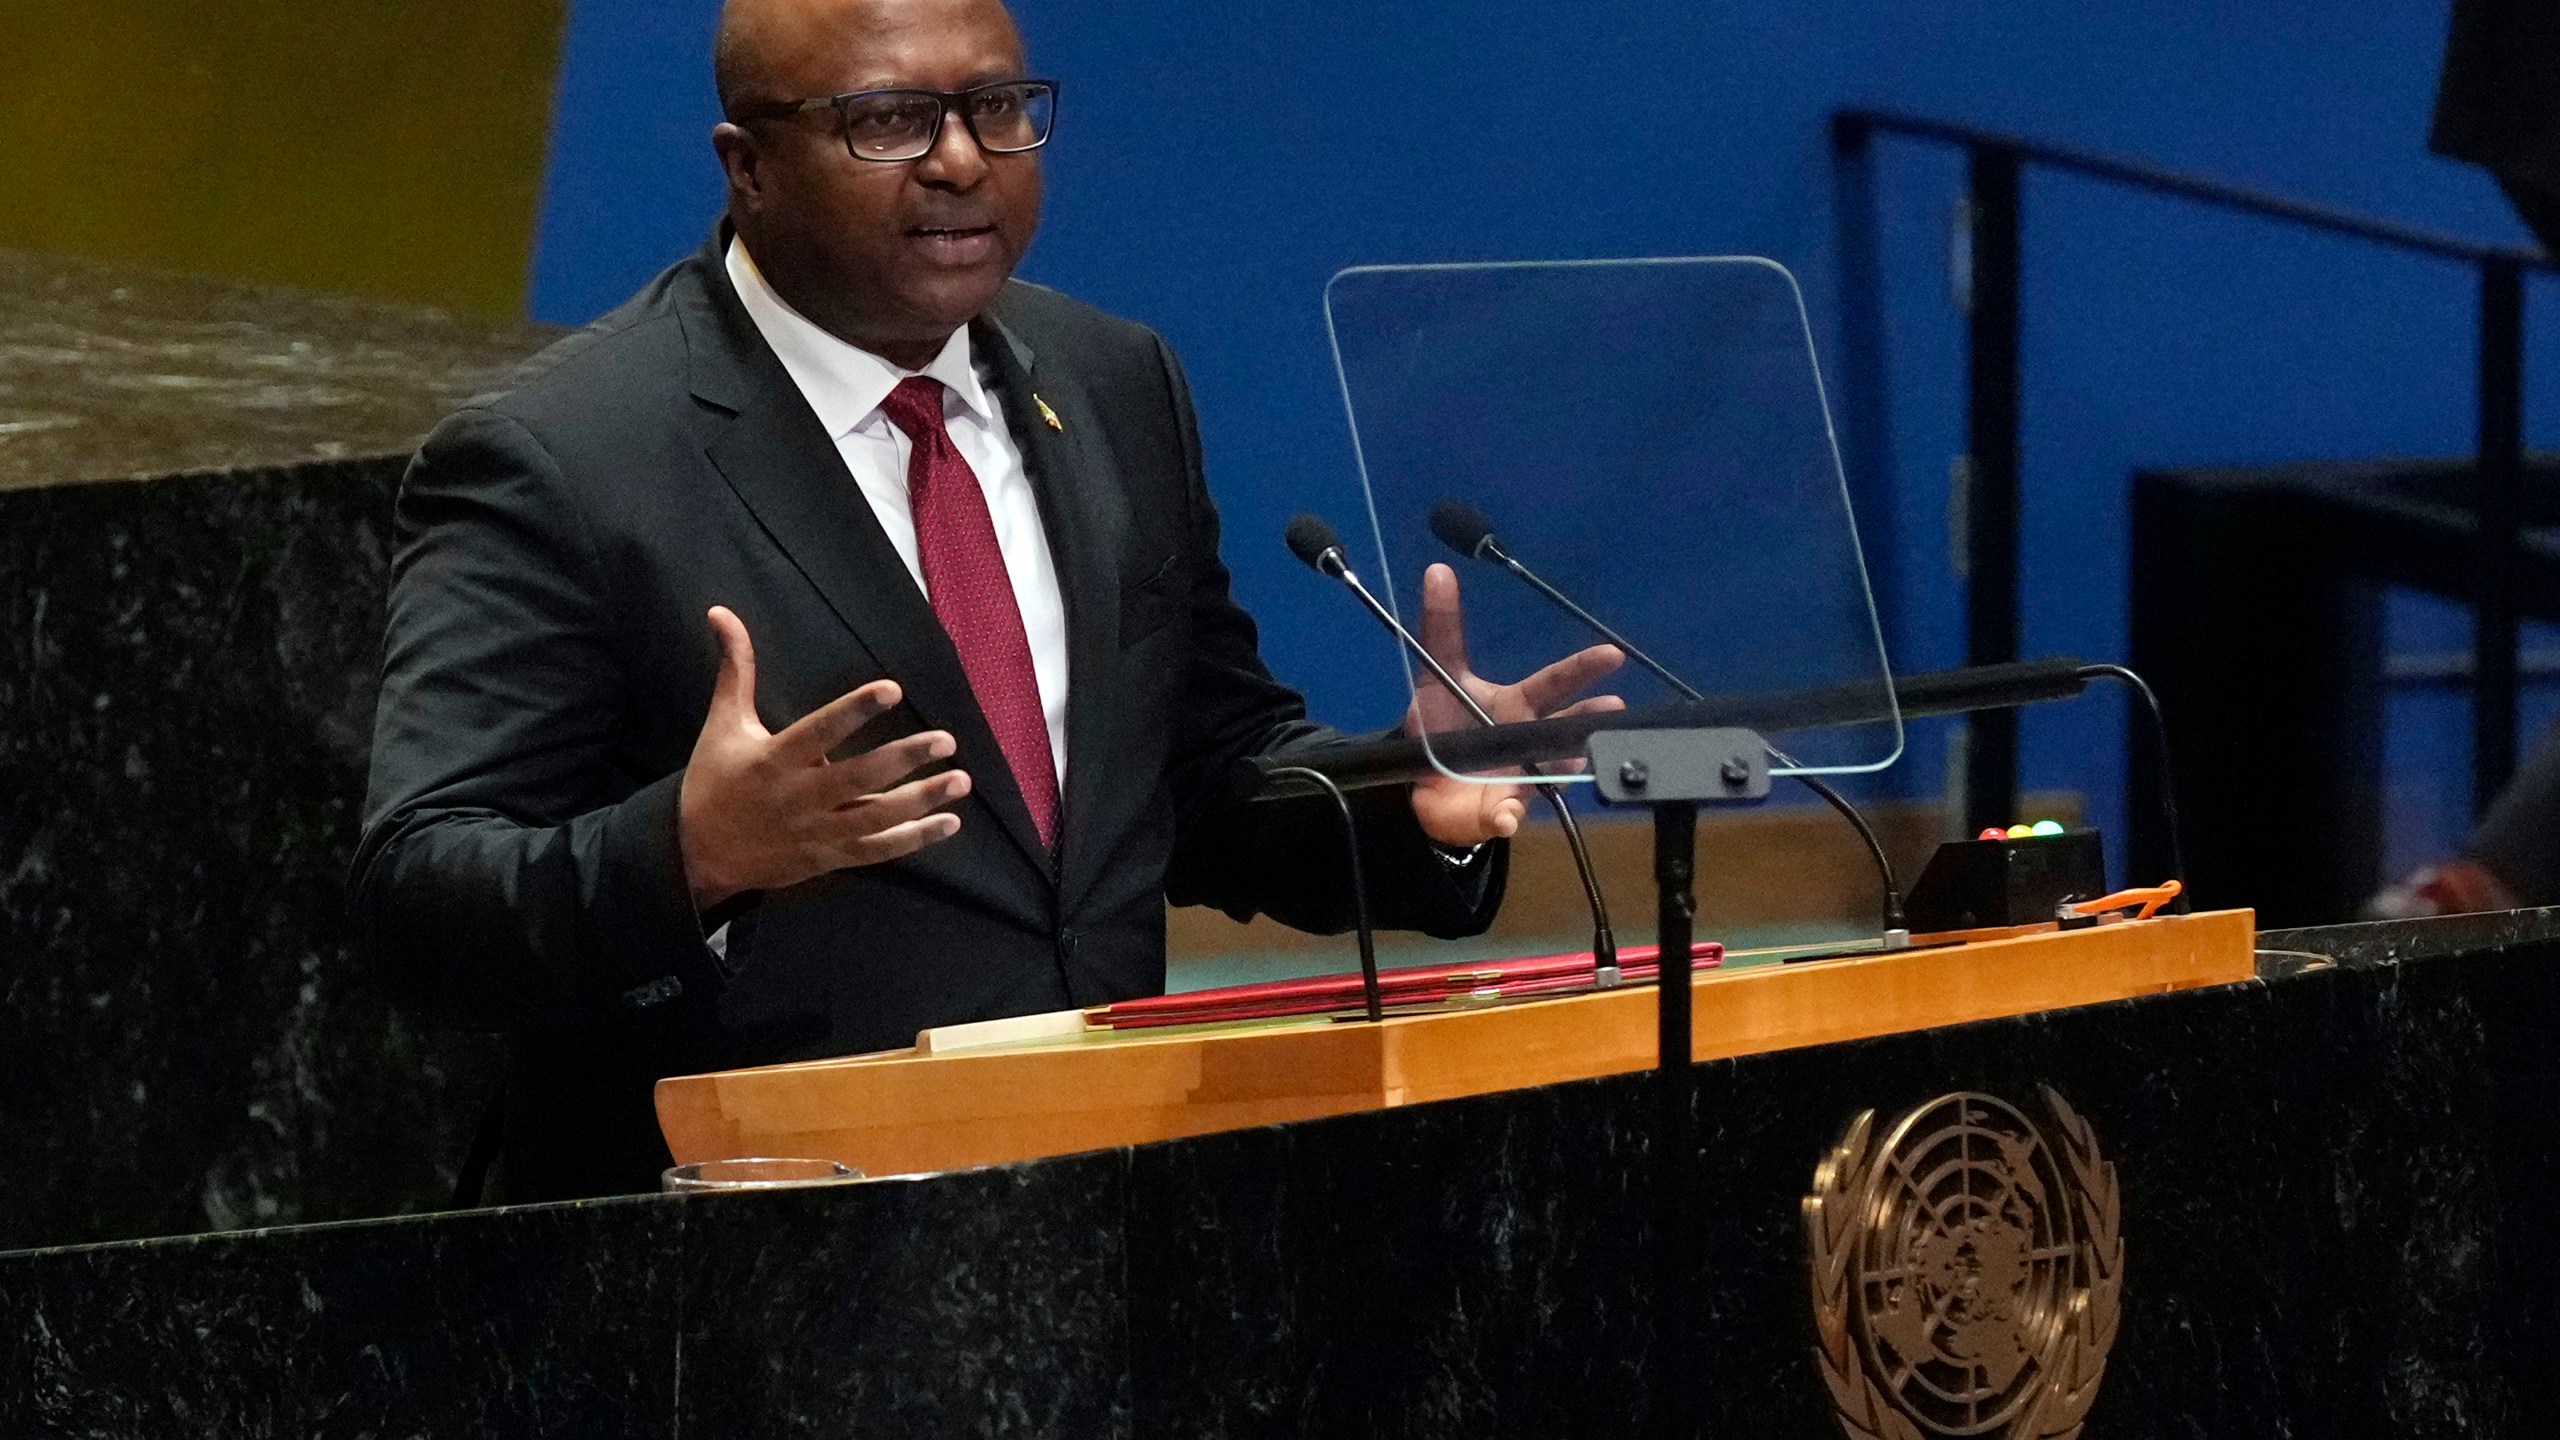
(1310, 539)
(1462, 527)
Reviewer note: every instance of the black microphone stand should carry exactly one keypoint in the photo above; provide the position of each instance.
(1604, 937)
(1359, 887)
(1674, 772)
(1464, 529)
(1315, 543)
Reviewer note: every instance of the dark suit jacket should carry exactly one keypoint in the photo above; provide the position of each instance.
(547, 667)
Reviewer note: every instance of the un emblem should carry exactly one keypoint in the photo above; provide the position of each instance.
(1966, 1272)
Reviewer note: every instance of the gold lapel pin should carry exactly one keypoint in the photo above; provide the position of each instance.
(1048, 414)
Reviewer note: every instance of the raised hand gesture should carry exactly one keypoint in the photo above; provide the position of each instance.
(1457, 812)
(759, 811)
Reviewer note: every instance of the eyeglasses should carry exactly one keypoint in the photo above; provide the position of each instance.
(1005, 118)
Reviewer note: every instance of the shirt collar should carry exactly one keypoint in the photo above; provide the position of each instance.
(843, 383)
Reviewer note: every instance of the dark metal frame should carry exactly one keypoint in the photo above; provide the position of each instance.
(1673, 773)
(1996, 164)
(948, 102)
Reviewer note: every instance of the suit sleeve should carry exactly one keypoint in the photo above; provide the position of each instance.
(508, 876)
(1286, 859)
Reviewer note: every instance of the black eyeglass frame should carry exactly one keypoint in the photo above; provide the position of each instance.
(948, 102)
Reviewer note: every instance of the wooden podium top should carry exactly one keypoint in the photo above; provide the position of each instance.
(935, 1108)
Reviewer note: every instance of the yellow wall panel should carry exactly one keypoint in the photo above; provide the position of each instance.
(379, 147)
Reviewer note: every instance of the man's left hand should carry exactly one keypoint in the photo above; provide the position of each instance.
(1462, 813)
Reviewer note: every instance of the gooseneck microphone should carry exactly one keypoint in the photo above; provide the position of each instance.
(1465, 529)
(2159, 728)
(1368, 933)
(1320, 547)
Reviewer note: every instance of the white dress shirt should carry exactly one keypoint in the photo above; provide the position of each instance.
(845, 384)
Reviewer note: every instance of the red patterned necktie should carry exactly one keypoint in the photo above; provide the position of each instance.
(972, 595)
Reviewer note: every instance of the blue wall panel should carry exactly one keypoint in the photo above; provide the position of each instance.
(1216, 163)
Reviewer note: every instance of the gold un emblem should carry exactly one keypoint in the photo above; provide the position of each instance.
(1966, 1272)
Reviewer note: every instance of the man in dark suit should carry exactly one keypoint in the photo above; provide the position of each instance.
(971, 683)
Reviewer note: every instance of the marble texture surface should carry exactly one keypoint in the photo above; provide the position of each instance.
(113, 373)
(559, 1321)
(2379, 942)
(982, 1304)
(990, 1303)
(2338, 1190)
(187, 675)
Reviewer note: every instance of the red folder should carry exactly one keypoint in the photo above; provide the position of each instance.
(1404, 987)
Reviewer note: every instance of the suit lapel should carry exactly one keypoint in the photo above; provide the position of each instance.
(781, 462)
(1086, 516)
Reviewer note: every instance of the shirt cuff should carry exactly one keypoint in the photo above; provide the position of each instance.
(1459, 859)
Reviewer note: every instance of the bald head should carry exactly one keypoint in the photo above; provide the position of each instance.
(769, 50)
(889, 255)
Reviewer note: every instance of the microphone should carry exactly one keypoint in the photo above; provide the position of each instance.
(1317, 544)
(1319, 547)
(1368, 933)
(1465, 529)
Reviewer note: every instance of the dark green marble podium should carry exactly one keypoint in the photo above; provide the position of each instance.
(195, 496)
(2340, 1187)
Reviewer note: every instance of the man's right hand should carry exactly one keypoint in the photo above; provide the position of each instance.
(759, 811)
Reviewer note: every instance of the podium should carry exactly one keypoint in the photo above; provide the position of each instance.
(949, 1103)
(2335, 1179)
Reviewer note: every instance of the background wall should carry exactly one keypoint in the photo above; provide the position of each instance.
(391, 148)
(1214, 166)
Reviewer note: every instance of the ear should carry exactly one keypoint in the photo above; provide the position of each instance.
(742, 162)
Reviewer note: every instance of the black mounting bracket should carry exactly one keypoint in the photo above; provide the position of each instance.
(1673, 772)
(1649, 767)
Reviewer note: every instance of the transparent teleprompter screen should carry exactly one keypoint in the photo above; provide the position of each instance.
(1650, 439)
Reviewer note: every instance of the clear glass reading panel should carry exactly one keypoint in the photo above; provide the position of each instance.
(1651, 438)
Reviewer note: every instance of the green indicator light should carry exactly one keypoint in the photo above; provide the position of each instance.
(2046, 827)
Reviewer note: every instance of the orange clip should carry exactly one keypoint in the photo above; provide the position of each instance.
(2150, 899)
